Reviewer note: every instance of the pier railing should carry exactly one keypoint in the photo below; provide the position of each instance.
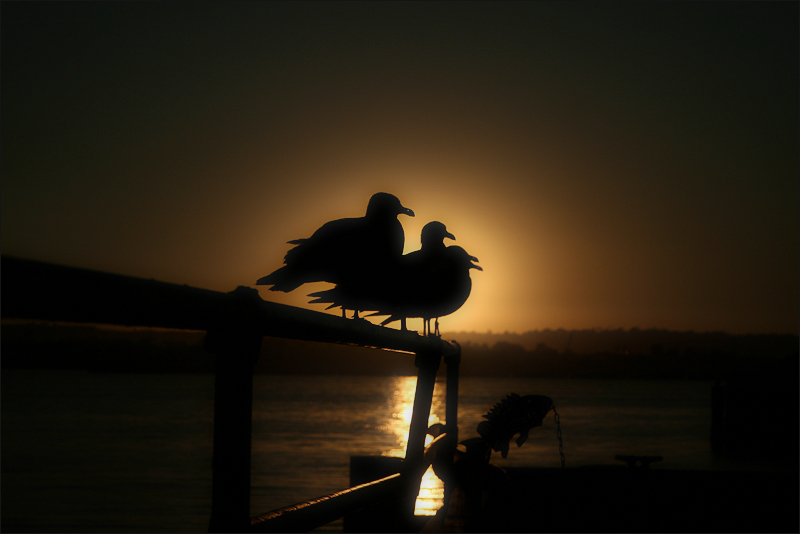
(235, 324)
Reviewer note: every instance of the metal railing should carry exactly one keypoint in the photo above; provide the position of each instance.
(235, 324)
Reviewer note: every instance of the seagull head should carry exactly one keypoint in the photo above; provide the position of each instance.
(462, 258)
(386, 204)
(433, 234)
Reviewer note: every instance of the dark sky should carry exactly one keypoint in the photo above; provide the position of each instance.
(630, 164)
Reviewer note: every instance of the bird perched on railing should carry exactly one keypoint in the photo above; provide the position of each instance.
(345, 251)
(429, 283)
(390, 289)
(429, 260)
(432, 289)
(373, 294)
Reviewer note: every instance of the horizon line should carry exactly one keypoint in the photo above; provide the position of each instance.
(488, 332)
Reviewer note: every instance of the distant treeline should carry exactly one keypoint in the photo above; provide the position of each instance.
(633, 353)
(548, 353)
(634, 341)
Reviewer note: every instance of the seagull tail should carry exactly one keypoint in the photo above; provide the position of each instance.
(280, 280)
(392, 319)
(324, 301)
(388, 320)
(323, 297)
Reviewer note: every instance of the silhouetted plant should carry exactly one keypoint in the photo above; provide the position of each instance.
(509, 417)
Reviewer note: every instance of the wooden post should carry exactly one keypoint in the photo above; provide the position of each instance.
(718, 413)
(453, 361)
(427, 363)
(236, 345)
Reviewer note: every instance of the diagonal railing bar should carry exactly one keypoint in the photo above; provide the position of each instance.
(317, 512)
(308, 515)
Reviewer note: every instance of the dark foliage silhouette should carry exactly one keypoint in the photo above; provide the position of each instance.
(478, 485)
(509, 417)
(345, 251)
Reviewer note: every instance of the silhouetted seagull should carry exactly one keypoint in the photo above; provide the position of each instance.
(439, 288)
(345, 251)
(391, 283)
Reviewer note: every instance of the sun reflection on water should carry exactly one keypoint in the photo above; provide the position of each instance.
(431, 491)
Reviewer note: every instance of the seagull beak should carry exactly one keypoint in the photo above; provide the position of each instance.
(406, 211)
(449, 235)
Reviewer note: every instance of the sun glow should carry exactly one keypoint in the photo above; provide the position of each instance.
(431, 492)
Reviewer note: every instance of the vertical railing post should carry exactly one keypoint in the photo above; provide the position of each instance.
(236, 343)
(453, 362)
(427, 363)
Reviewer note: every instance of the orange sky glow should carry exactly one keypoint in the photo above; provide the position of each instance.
(610, 164)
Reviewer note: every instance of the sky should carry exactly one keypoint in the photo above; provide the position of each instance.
(611, 164)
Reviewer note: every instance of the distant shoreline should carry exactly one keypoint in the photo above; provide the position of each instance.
(635, 353)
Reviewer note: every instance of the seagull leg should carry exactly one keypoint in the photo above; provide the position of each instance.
(403, 324)
(355, 314)
(437, 328)
(344, 313)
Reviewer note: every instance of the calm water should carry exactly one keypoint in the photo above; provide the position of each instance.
(96, 452)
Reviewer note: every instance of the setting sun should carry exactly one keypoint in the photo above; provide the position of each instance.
(590, 197)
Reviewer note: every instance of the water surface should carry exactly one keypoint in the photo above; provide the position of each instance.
(105, 452)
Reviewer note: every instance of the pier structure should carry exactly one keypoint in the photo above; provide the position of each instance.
(235, 324)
